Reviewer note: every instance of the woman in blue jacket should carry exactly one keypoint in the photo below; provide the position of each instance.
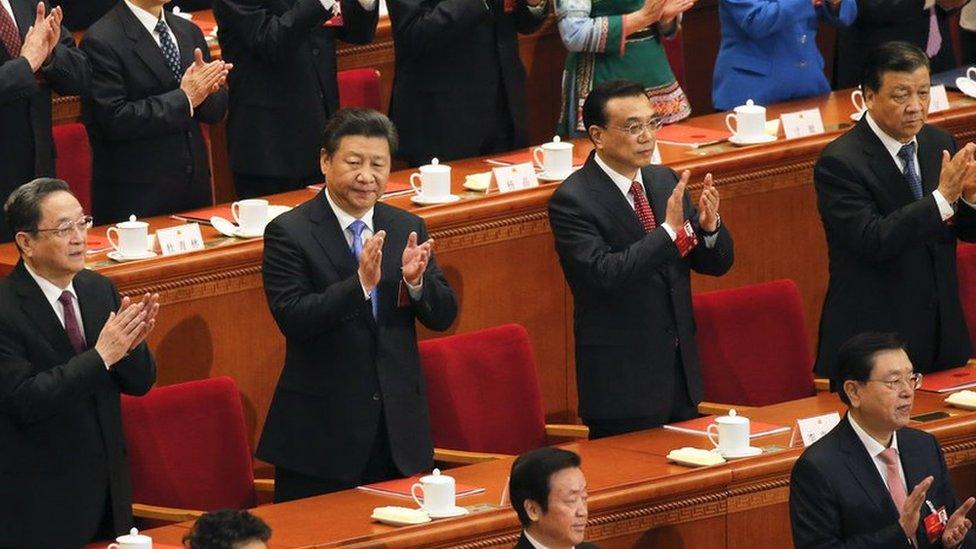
(769, 49)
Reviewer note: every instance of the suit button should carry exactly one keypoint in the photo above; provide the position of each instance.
(803, 39)
(189, 169)
(315, 51)
(376, 396)
(802, 63)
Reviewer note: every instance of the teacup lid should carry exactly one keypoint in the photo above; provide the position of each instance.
(436, 478)
(750, 108)
(733, 417)
(557, 143)
(134, 537)
(435, 166)
(131, 223)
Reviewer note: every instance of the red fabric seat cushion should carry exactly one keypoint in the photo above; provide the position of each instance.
(359, 88)
(483, 391)
(966, 267)
(74, 163)
(753, 345)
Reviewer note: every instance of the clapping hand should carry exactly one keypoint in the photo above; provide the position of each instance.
(371, 260)
(415, 259)
(958, 525)
(203, 78)
(708, 206)
(41, 37)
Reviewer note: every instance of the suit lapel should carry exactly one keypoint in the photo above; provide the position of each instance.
(39, 311)
(883, 166)
(929, 162)
(144, 45)
(863, 470)
(609, 197)
(330, 237)
(93, 314)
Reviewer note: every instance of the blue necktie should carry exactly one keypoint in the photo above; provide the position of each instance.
(357, 227)
(170, 52)
(907, 155)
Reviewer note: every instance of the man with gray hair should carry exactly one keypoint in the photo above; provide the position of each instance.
(346, 278)
(68, 347)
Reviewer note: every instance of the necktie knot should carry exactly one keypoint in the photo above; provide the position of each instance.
(357, 227)
(636, 188)
(161, 27)
(907, 151)
(889, 456)
(66, 298)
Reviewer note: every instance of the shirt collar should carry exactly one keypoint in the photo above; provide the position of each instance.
(346, 219)
(892, 145)
(532, 541)
(147, 19)
(870, 444)
(621, 181)
(48, 288)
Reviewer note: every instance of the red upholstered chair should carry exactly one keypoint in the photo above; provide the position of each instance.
(74, 160)
(966, 267)
(359, 88)
(484, 398)
(188, 450)
(753, 345)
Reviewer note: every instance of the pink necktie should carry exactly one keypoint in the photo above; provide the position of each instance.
(896, 485)
(935, 37)
(9, 36)
(71, 323)
(642, 208)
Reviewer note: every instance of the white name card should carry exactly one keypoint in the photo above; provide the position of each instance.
(515, 177)
(180, 239)
(938, 100)
(811, 429)
(802, 123)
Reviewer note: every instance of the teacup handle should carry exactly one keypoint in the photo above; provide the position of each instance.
(113, 546)
(857, 97)
(971, 73)
(710, 434)
(235, 210)
(419, 190)
(535, 157)
(413, 492)
(728, 124)
(108, 235)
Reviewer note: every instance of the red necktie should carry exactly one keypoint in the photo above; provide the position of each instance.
(71, 323)
(642, 208)
(896, 486)
(9, 35)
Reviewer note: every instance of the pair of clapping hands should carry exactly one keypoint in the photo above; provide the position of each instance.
(958, 176)
(707, 204)
(42, 37)
(413, 261)
(126, 328)
(202, 78)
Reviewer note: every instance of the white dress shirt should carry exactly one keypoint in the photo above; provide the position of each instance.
(368, 5)
(875, 448)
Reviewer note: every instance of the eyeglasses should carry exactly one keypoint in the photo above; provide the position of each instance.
(913, 381)
(637, 128)
(69, 227)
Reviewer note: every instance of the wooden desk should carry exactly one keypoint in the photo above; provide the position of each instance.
(497, 253)
(637, 498)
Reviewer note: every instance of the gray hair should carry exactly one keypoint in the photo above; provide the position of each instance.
(23, 206)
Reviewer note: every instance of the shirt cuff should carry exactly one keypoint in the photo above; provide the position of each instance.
(945, 209)
(536, 10)
(710, 240)
(327, 4)
(368, 5)
(966, 202)
(669, 230)
(416, 292)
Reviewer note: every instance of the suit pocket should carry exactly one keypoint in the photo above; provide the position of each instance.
(755, 65)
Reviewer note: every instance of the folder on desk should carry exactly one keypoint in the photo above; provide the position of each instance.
(97, 244)
(401, 488)
(525, 157)
(203, 215)
(947, 381)
(698, 426)
(690, 136)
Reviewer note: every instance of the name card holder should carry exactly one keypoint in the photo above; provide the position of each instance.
(180, 239)
(811, 429)
(938, 99)
(515, 177)
(802, 123)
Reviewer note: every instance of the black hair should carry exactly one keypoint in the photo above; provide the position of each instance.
(891, 57)
(856, 357)
(531, 476)
(226, 528)
(357, 121)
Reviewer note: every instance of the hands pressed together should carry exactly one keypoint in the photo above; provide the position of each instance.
(127, 328)
(413, 262)
(202, 78)
(708, 204)
(958, 175)
(42, 36)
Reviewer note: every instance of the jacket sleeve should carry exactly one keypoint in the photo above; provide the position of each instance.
(271, 38)
(582, 33)
(761, 18)
(67, 70)
(359, 25)
(16, 80)
(424, 27)
(437, 307)
(214, 107)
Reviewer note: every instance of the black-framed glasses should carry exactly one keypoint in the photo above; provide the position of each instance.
(69, 227)
(913, 381)
(637, 128)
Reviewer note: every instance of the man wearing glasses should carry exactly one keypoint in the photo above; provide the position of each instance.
(68, 347)
(628, 237)
(870, 481)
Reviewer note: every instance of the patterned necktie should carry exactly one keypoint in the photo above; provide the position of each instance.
(71, 322)
(907, 155)
(642, 208)
(934, 43)
(357, 227)
(896, 486)
(170, 52)
(9, 35)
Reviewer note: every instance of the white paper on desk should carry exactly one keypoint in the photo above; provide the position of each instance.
(813, 428)
(938, 99)
(802, 123)
(515, 177)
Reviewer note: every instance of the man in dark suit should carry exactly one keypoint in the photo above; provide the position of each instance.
(350, 407)
(880, 21)
(32, 61)
(547, 489)
(894, 196)
(867, 482)
(284, 85)
(459, 89)
(152, 85)
(68, 347)
(627, 238)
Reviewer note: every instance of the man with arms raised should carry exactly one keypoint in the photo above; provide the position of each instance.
(68, 347)
(868, 482)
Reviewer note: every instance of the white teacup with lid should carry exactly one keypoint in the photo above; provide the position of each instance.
(732, 433)
(435, 181)
(438, 493)
(132, 540)
(132, 237)
(750, 122)
(557, 157)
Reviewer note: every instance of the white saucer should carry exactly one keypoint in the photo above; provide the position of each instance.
(241, 233)
(227, 228)
(423, 201)
(546, 176)
(764, 138)
(115, 255)
(966, 86)
(748, 452)
(456, 512)
(856, 116)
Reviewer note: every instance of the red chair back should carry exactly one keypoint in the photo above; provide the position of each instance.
(753, 345)
(74, 160)
(359, 88)
(966, 267)
(188, 446)
(483, 391)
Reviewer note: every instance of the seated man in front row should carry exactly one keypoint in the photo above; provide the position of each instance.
(870, 480)
(548, 491)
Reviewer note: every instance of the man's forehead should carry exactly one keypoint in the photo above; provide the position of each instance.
(893, 361)
(918, 77)
(623, 108)
(364, 145)
(59, 206)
